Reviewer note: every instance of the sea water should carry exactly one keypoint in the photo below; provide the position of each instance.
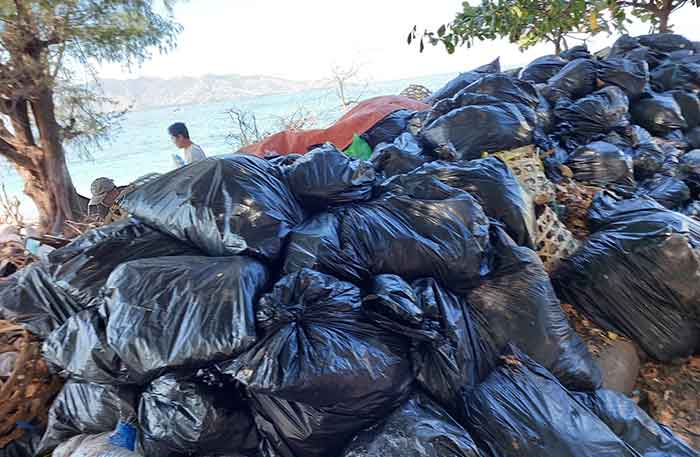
(141, 144)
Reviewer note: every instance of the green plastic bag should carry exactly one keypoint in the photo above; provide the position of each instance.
(359, 148)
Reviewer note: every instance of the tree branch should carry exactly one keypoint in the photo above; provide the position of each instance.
(9, 151)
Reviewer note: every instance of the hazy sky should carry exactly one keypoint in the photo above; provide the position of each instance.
(302, 39)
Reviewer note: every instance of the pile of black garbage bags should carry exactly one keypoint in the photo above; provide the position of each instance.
(315, 305)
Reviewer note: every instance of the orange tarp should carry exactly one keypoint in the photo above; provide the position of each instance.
(358, 120)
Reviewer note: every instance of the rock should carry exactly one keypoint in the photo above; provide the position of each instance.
(620, 366)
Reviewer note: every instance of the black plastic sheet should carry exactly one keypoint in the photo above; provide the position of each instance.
(420, 428)
(637, 274)
(633, 426)
(176, 312)
(223, 206)
(181, 415)
(521, 410)
(321, 370)
(86, 409)
(326, 177)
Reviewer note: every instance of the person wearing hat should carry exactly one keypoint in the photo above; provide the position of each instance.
(104, 194)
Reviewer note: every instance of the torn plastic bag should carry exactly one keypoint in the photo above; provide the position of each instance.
(322, 372)
(223, 206)
(633, 426)
(670, 192)
(389, 128)
(463, 80)
(177, 312)
(392, 235)
(676, 76)
(590, 117)
(657, 113)
(326, 177)
(44, 295)
(79, 349)
(474, 130)
(81, 409)
(632, 76)
(689, 170)
(577, 52)
(420, 428)
(448, 353)
(401, 156)
(92, 446)
(665, 42)
(577, 79)
(602, 164)
(542, 68)
(517, 304)
(693, 137)
(690, 106)
(496, 188)
(636, 275)
(521, 410)
(182, 415)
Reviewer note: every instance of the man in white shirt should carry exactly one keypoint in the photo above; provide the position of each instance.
(190, 151)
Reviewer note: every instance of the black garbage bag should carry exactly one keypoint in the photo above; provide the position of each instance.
(282, 160)
(629, 48)
(322, 372)
(577, 52)
(448, 353)
(521, 410)
(326, 177)
(670, 192)
(693, 137)
(690, 106)
(181, 415)
(223, 206)
(648, 157)
(542, 68)
(517, 304)
(82, 408)
(474, 130)
(25, 446)
(689, 170)
(636, 275)
(675, 138)
(602, 164)
(546, 121)
(692, 209)
(44, 295)
(392, 235)
(463, 80)
(666, 42)
(401, 156)
(592, 116)
(657, 113)
(633, 426)
(79, 350)
(632, 76)
(577, 79)
(177, 312)
(497, 189)
(420, 428)
(389, 128)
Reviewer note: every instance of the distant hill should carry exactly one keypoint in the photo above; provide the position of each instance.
(146, 93)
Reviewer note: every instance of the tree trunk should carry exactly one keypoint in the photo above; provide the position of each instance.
(43, 166)
(664, 13)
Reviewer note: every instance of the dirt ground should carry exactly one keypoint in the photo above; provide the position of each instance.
(670, 393)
